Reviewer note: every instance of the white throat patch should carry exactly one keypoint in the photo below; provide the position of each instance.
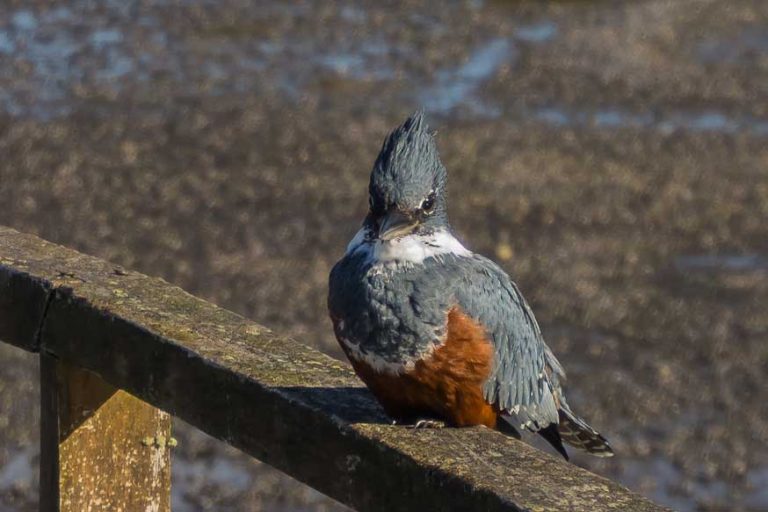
(408, 249)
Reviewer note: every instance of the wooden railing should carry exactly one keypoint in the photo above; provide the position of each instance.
(120, 352)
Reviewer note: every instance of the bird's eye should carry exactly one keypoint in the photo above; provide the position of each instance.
(428, 203)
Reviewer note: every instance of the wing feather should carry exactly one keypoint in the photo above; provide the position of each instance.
(524, 378)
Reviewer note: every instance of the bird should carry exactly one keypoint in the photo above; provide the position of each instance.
(439, 334)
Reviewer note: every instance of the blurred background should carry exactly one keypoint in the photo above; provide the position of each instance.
(611, 155)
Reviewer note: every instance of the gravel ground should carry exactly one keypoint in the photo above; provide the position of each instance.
(610, 155)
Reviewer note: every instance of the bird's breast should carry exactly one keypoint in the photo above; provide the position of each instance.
(389, 315)
(446, 383)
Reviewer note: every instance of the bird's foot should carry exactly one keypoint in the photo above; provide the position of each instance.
(422, 423)
(428, 424)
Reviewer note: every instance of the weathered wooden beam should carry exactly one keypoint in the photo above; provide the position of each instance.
(22, 306)
(276, 399)
(101, 448)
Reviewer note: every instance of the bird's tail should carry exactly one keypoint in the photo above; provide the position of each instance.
(575, 431)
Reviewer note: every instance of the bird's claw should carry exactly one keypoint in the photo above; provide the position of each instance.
(429, 424)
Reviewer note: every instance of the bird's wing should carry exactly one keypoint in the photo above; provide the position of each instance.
(524, 380)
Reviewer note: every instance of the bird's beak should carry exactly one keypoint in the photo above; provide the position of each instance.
(395, 224)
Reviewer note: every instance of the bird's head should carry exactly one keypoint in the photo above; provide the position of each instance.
(407, 188)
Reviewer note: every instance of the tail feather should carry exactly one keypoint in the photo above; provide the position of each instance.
(551, 434)
(504, 425)
(575, 431)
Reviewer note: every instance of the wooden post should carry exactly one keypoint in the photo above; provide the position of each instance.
(101, 448)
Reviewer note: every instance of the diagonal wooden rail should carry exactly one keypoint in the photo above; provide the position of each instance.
(107, 336)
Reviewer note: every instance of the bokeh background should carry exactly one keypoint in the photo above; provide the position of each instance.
(611, 155)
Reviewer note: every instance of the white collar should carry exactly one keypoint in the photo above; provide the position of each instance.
(407, 249)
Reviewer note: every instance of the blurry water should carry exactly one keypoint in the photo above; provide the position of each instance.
(126, 48)
(18, 469)
(536, 33)
(191, 476)
(18, 480)
(458, 87)
(733, 262)
(735, 48)
(664, 122)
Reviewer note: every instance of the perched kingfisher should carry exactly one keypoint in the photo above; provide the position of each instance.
(438, 333)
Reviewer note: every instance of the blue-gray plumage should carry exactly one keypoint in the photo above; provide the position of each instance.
(435, 330)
